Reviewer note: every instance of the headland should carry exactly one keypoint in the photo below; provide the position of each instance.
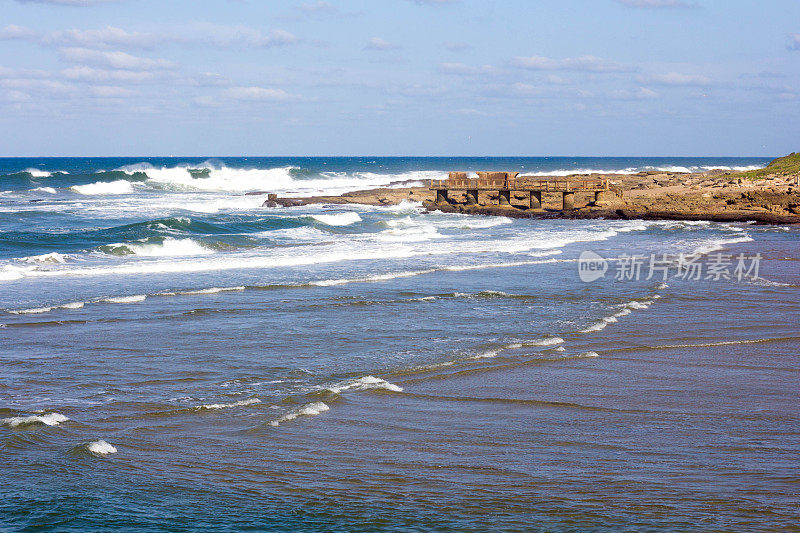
(769, 196)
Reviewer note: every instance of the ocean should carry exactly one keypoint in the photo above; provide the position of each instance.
(175, 357)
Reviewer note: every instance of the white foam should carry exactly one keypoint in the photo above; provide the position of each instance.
(53, 257)
(211, 290)
(37, 173)
(338, 219)
(242, 403)
(310, 409)
(303, 233)
(408, 230)
(170, 247)
(490, 354)
(624, 311)
(282, 180)
(125, 299)
(589, 354)
(48, 190)
(50, 419)
(104, 187)
(11, 272)
(38, 310)
(100, 448)
(405, 206)
(546, 341)
(597, 326)
(364, 383)
(719, 244)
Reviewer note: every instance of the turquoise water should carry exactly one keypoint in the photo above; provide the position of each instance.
(176, 357)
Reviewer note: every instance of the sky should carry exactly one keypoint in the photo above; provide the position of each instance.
(399, 77)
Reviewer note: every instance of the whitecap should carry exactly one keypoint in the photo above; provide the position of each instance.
(338, 219)
(545, 341)
(49, 419)
(364, 383)
(211, 290)
(310, 409)
(38, 310)
(38, 173)
(100, 448)
(597, 326)
(125, 299)
(52, 257)
(169, 247)
(104, 188)
(241, 403)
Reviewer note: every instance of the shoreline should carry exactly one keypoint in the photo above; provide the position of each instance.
(716, 196)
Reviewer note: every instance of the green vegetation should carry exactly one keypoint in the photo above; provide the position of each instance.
(783, 166)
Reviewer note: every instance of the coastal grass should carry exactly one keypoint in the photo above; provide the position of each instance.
(783, 166)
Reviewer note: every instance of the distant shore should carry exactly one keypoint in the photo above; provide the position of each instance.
(721, 196)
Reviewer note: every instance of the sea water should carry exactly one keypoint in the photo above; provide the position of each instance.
(174, 356)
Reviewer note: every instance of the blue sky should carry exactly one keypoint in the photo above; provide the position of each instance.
(399, 77)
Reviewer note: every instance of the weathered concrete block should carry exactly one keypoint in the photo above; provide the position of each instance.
(569, 201)
(536, 200)
(606, 198)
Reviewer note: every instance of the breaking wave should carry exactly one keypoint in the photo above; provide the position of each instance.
(364, 383)
(104, 187)
(338, 219)
(49, 419)
(166, 248)
(100, 448)
(242, 403)
(310, 409)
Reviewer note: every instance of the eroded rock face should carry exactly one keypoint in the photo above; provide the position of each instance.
(607, 198)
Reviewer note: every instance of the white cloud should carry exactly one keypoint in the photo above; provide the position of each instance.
(109, 91)
(45, 86)
(17, 32)
(675, 78)
(376, 43)
(228, 36)
(17, 96)
(794, 44)
(90, 74)
(205, 101)
(583, 63)
(66, 2)
(114, 60)
(654, 3)
(525, 89)
(108, 36)
(22, 73)
(321, 8)
(198, 33)
(461, 69)
(642, 93)
(258, 94)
